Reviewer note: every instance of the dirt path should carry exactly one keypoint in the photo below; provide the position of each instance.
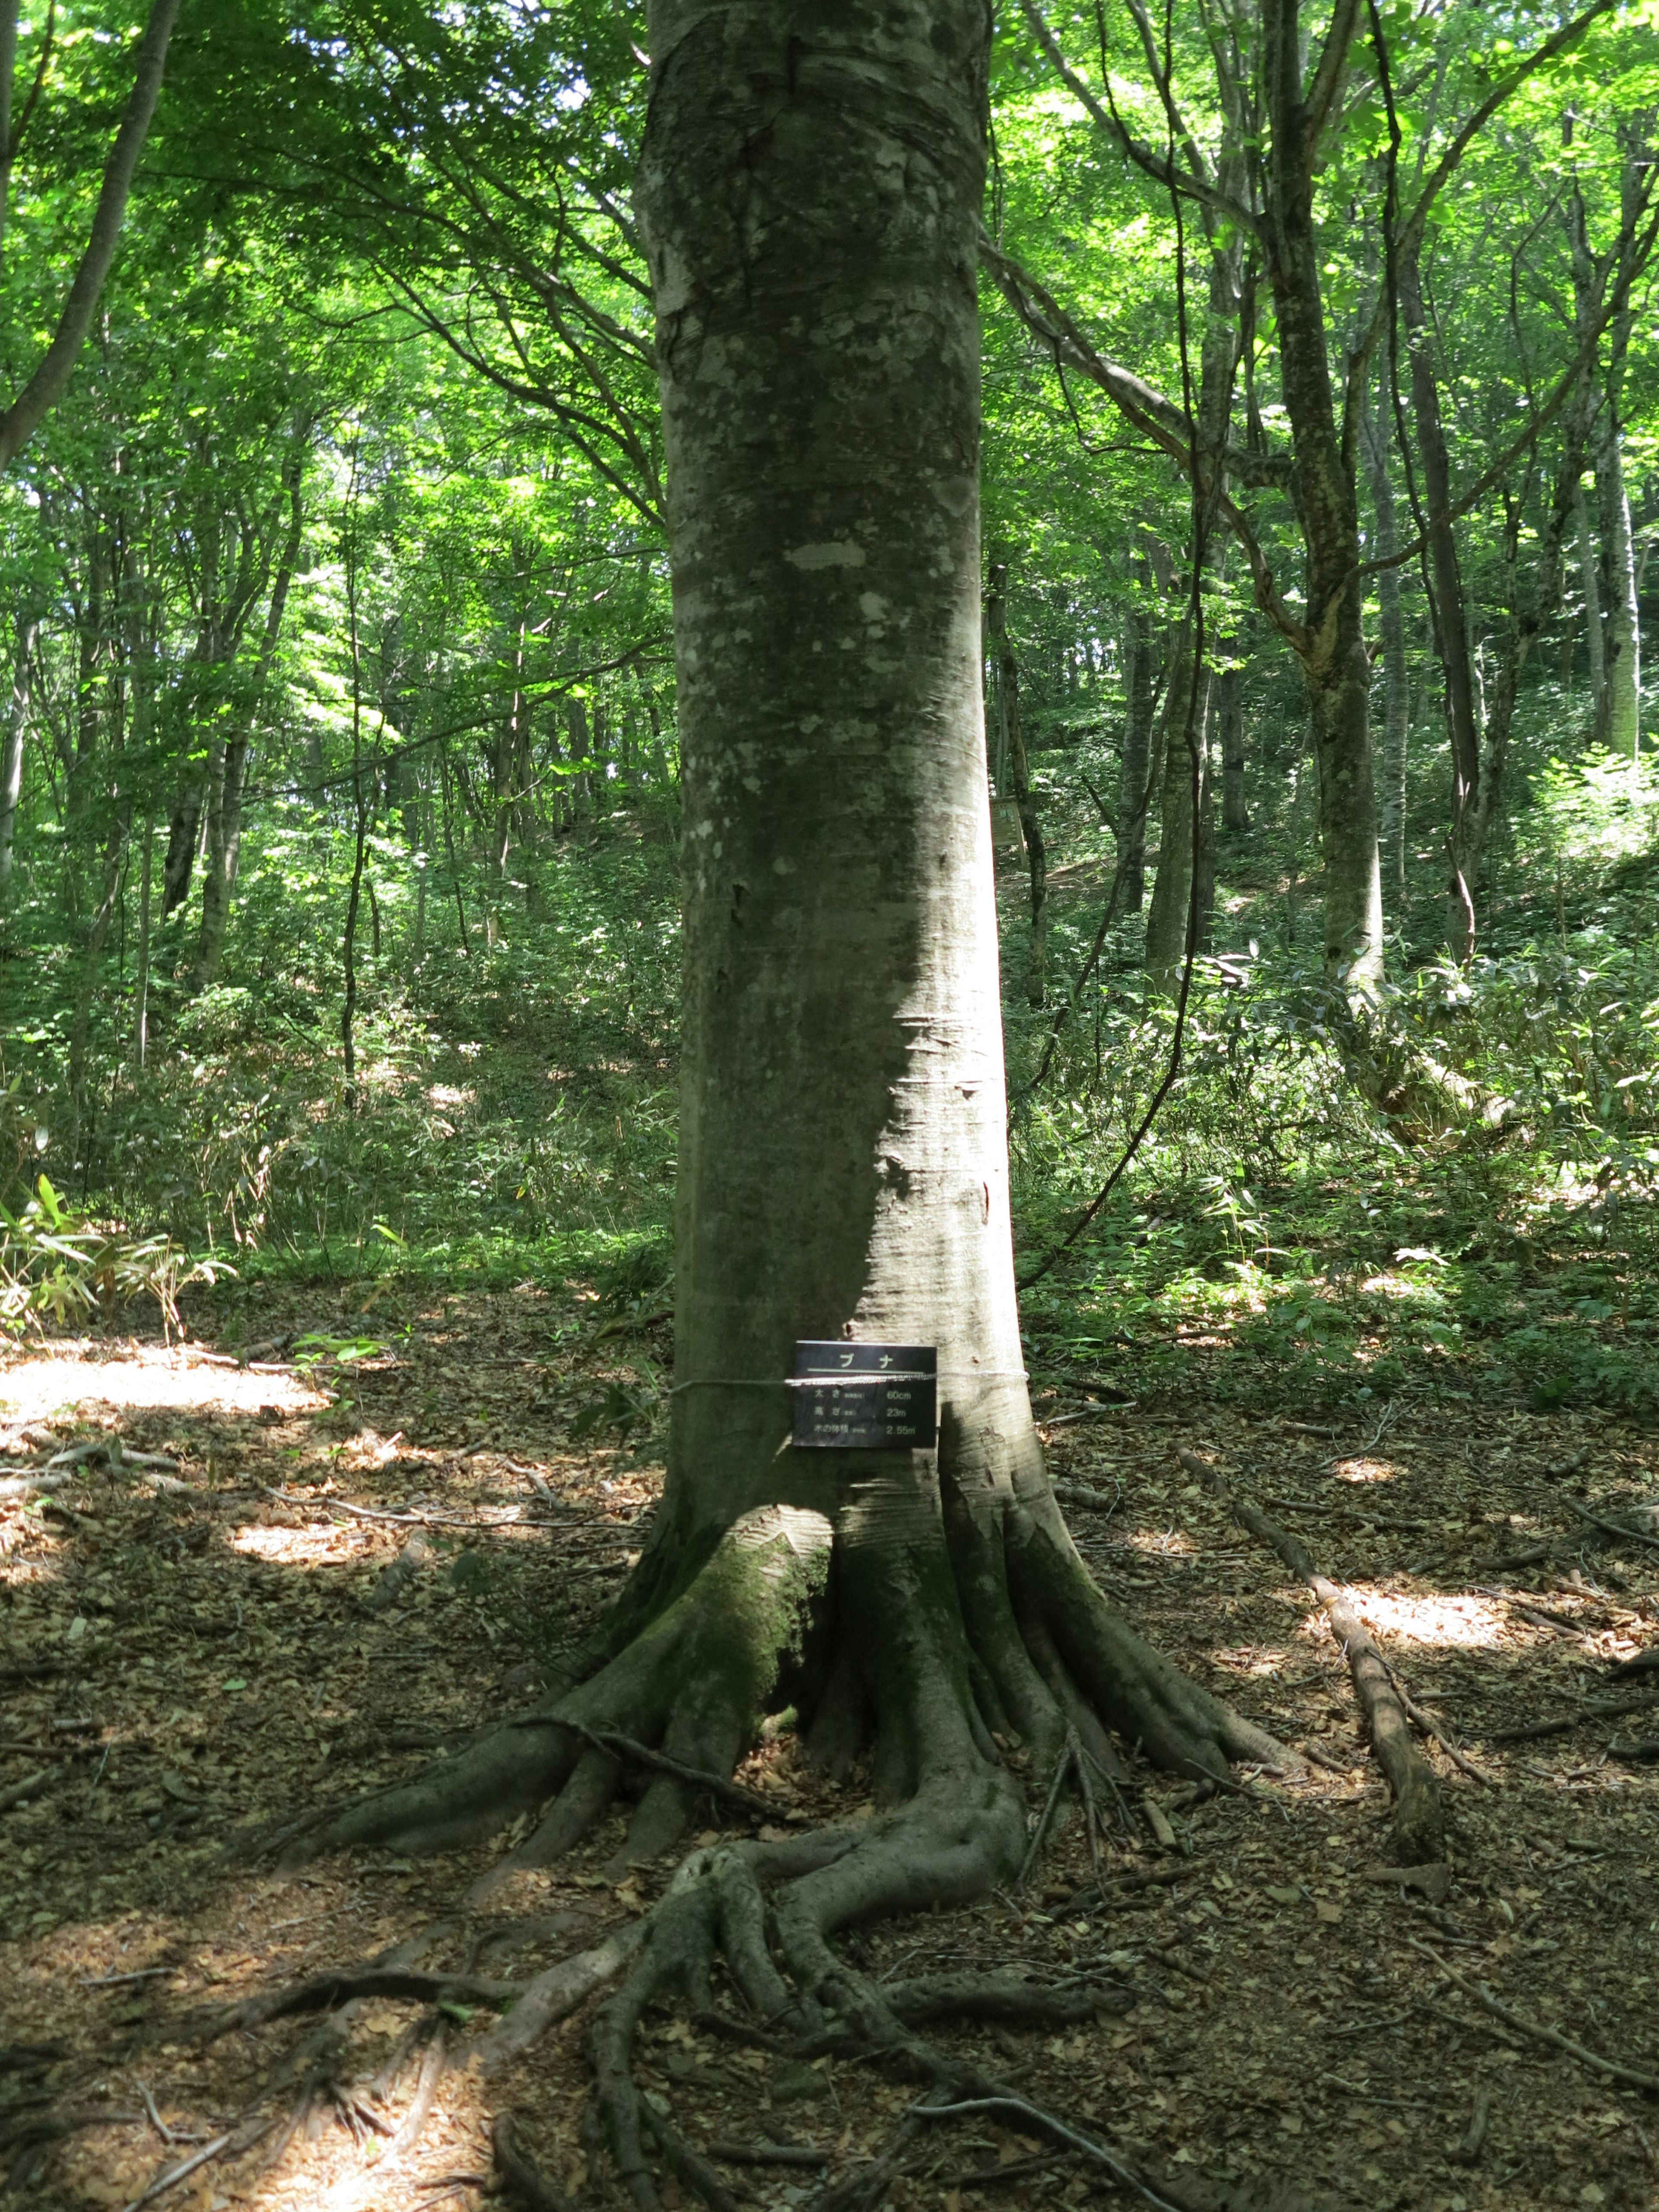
(186, 1657)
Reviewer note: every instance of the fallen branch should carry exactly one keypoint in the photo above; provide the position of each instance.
(30, 1786)
(1613, 1527)
(325, 1991)
(233, 2141)
(1419, 1829)
(1607, 1709)
(1482, 1995)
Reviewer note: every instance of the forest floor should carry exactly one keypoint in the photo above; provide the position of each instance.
(190, 1649)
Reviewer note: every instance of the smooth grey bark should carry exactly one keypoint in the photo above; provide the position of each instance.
(1396, 670)
(17, 711)
(810, 191)
(1449, 613)
(1590, 567)
(1621, 718)
(141, 983)
(45, 387)
(1011, 739)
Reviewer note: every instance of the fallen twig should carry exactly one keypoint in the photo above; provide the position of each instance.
(185, 2167)
(30, 1786)
(1419, 1828)
(1593, 2059)
(767, 2154)
(1602, 1709)
(1613, 1527)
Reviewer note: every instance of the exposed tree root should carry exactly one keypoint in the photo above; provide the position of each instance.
(522, 2180)
(932, 1626)
(1418, 1826)
(325, 1991)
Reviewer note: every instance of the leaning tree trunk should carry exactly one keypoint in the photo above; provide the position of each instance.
(842, 1156)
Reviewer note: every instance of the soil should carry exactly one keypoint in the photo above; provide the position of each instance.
(184, 1660)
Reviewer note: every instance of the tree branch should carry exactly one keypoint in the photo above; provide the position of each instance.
(45, 388)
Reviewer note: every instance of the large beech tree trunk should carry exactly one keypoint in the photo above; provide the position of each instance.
(810, 191)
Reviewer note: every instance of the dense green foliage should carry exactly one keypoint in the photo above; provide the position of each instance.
(338, 580)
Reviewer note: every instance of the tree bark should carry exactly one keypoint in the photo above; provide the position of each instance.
(17, 710)
(1230, 713)
(1012, 745)
(1621, 718)
(1590, 567)
(1185, 750)
(1134, 781)
(1450, 615)
(1335, 664)
(1396, 670)
(810, 190)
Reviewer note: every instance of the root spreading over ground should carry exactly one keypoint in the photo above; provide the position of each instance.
(909, 1954)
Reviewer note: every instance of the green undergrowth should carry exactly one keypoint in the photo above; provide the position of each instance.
(511, 1118)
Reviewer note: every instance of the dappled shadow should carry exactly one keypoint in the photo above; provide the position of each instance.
(229, 1669)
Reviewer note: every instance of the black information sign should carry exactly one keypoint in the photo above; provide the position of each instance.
(866, 1397)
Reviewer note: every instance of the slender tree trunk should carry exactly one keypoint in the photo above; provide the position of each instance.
(1011, 738)
(224, 820)
(1450, 615)
(11, 771)
(1230, 713)
(45, 387)
(1622, 717)
(1185, 753)
(1335, 664)
(1134, 781)
(1396, 669)
(140, 985)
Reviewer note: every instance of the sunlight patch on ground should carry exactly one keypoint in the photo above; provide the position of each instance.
(1432, 1617)
(289, 1547)
(37, 1385)
(1158, 1540)
(1361, 1469)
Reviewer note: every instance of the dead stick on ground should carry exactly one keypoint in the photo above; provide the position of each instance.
(1610, 1710)
(1428, 1725)
(1418, 1828)
(1613, 1527)
(1593, 2059)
